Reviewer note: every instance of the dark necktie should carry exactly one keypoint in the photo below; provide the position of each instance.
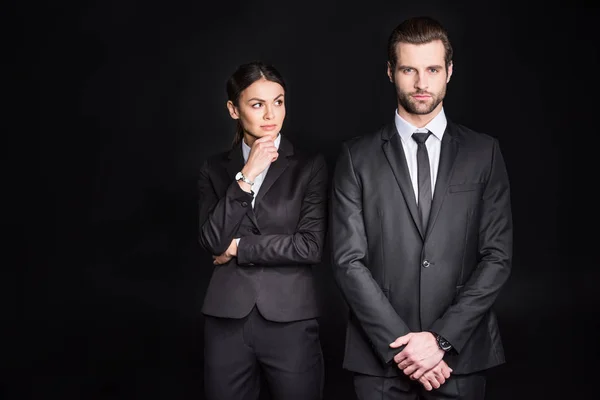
(423, 177)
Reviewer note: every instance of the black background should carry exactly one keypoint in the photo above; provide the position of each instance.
(112, 106)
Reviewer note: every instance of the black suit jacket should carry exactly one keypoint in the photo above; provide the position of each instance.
(398, 279)
(280, 238)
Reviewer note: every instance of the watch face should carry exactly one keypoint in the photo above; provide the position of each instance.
(238, 176)
(444, 344)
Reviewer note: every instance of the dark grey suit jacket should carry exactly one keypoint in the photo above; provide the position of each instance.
(281, 238)
(397, 279)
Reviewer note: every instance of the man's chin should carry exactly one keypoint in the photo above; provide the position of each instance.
(421, 110)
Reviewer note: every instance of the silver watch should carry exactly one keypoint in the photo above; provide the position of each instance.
(240, 177)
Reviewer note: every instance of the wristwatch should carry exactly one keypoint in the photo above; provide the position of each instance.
(443, 343)
(240, 177)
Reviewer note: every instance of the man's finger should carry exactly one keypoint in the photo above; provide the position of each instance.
(401, 341)
(426, 384)
(402, 357)
(418, 373)
(410, 369)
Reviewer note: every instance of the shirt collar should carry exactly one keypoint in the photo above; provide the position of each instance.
(436, 126)
(246, 149)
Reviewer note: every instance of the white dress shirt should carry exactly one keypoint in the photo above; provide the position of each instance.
(436, 126)
(260, 177)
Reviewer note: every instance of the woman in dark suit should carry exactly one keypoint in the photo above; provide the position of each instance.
(263, 218)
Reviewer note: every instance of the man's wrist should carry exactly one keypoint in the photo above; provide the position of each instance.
(442, 343)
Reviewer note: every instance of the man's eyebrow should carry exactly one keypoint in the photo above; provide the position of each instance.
(430, 66)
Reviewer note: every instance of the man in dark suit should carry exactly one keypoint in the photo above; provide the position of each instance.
(263, 215)
(421, 232)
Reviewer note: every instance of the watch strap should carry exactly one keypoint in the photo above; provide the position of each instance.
(442, 343)
(240, 177)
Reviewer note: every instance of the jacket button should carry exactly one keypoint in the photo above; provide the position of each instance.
(426, 264)
(244, 204)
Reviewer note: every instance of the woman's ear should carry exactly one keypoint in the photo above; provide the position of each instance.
(233, 111)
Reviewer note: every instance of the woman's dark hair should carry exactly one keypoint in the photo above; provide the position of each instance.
(244, 76)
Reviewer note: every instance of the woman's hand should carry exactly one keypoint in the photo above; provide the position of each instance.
(262, 153)
(227, 255)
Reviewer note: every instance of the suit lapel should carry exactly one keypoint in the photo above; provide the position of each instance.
(448, 154)
(286, 149)
(394, 152)
(235, 165)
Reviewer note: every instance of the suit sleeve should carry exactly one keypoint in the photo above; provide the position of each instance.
(495, 253)
(363, 295)
(305, 245)
(219, 217)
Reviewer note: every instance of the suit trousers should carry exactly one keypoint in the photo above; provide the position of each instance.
(238, 351)
(458, 387)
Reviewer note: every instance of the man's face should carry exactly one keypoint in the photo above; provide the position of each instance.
(420, 77)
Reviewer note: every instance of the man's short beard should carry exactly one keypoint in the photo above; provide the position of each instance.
(405, 101)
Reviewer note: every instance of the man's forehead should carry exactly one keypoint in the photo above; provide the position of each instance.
(431, 52)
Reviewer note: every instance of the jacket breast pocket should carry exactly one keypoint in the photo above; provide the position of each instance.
(465, 187)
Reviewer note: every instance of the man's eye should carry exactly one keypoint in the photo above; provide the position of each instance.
(256, 105)
(434, 70)
(407, 70)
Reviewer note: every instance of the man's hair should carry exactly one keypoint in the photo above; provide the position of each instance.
(418, 30)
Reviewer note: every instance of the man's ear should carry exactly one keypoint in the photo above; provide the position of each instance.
(389, 72)
(450, 68)
(233, 111)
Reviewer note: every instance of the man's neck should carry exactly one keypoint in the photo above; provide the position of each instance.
(419, 120)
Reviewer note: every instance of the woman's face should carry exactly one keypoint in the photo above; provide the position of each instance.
(261, 109)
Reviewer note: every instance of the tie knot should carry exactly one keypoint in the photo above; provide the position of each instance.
(420, 137)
